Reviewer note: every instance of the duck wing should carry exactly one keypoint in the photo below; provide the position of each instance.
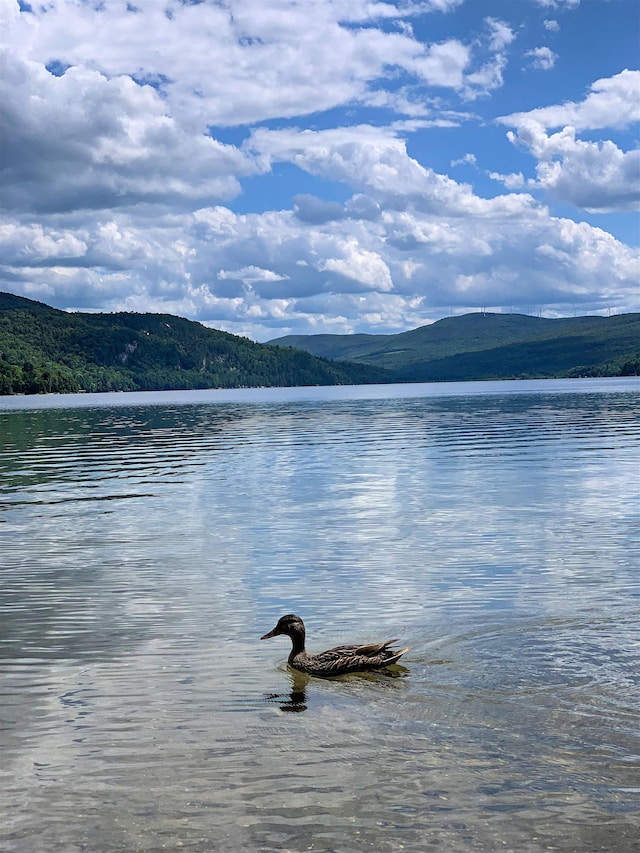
(343, 659)
(374, 649)
(368, 650)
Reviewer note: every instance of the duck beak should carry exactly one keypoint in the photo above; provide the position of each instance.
(273, 633)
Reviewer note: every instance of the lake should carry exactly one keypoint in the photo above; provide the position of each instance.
(149, 540)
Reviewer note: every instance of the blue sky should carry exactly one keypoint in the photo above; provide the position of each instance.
(274, 166)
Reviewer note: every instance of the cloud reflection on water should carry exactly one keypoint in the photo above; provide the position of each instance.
(495, 535)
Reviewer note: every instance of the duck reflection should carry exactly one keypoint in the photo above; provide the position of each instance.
(296, 700)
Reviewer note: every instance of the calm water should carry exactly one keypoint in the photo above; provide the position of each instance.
(148, 540)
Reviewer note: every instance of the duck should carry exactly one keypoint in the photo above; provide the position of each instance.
(336, 661)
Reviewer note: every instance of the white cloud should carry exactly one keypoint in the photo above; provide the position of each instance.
(501, 34)
(250, 275)
(374, 161)
(309, 208)
(360, 265)
(257, 273)
(33, 245)
(468, 159)
(370, 160)
(542, 58)
(127, 123)
(115, 190)
(243, 61)
(487, 74)
(551, 25)
(82, 140)
(592, 175)
(613, 102)
(597, 176)
(512, 181)
(558, 4)
(443, 64)
(486, 78)
(443, 5)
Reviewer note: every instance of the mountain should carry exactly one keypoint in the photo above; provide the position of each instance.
(44, 350)
(490, 346)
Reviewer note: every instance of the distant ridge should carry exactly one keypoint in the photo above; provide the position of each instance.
(491, 346)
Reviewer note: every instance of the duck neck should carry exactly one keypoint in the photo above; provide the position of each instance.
(297, 639)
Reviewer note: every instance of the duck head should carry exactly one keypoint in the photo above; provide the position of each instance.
(290, 625)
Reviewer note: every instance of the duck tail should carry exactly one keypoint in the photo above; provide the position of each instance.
(396, 655)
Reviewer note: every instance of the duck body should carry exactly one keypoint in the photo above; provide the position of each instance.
(336, 661)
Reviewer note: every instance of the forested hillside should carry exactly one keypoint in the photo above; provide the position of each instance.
(491, 346)
(44, 350)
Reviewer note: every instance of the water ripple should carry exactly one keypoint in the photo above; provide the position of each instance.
(146, 548)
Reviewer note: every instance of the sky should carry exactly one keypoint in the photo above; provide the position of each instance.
(274, 167)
